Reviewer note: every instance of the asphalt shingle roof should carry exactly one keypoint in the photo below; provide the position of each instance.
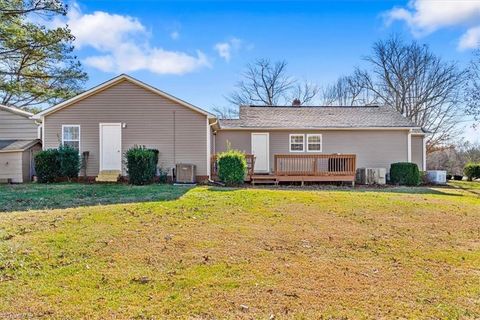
(9, 145)
(316, 118)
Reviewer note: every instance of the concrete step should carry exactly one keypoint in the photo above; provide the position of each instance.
(108, 176)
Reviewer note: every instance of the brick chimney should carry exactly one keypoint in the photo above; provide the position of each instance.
(296, 103)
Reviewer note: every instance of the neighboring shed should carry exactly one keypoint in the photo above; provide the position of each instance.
(18, 144)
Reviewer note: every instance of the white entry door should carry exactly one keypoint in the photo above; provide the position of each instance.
(260, 149)
(110, 146)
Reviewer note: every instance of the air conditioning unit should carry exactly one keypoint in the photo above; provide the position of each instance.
(437, 176)
(371, 176)
(185, 173)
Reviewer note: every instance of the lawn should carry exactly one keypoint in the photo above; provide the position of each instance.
(215, 253)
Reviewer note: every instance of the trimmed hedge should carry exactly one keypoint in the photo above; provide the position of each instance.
(404, 173)
(141, 165)
(53, 164)
(47, 165)
(472, 171)
(69, 162)
(232, 167)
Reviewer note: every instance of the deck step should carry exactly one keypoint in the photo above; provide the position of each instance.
(264, 179)
(108, 176)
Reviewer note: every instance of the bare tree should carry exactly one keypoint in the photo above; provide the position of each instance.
(304, 92)
(347, 91)
(472, 93)
(412, 80)
(267, 83)
(226, 112)
(453, 158)
(418, 84)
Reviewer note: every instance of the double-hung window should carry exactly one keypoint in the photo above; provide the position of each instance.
(71, 136)
(297, 143)
(314, 143)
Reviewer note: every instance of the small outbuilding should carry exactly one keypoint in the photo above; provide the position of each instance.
(18, 144)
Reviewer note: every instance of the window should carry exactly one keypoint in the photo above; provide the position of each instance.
(71, 136)
(314, 143)
(297, 143)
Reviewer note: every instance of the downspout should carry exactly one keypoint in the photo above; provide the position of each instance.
(214, 133)
(409, 146)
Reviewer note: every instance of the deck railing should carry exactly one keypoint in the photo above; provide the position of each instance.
(315, 164)
(250, 163)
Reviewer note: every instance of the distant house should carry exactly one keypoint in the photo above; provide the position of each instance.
(285, 143)
(378, 136)
(18, 144)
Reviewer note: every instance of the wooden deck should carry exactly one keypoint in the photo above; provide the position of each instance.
(304, 168)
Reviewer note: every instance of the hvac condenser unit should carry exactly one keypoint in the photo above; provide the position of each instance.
(371, 176)
(185, 173)
(437, 176)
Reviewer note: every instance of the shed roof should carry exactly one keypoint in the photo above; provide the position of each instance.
(16, 145)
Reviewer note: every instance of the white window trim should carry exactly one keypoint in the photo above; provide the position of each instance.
(321, 141)
(290, 142)
(79, 135)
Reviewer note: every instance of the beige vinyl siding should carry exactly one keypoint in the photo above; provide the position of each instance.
(417, 151)
(149, 120)
(11, 166)
(14, 126)
(374, 148)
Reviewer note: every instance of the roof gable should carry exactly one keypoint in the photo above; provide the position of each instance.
(16, 111)
(113, 82)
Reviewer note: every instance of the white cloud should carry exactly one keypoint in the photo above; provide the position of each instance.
(227, 48)
(426, 16)
(470, 39)
(174, 35)
(123, 46)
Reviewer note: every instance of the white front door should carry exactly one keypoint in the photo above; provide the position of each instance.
(110, 146)
(260, 149)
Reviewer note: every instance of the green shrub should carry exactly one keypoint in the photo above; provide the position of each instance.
(69, 161)
(47, 165)
(472, 171)
(404, 173)
(232, 167)
(141, 165)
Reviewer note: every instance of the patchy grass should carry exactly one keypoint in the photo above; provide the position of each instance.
(470, 186)
(18, 197)
(287, 253)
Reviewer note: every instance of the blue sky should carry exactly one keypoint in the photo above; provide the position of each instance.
(196, 50)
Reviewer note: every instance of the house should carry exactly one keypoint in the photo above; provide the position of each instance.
(107, 120)
(314, 143)
(297, 138)
(18, 144)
